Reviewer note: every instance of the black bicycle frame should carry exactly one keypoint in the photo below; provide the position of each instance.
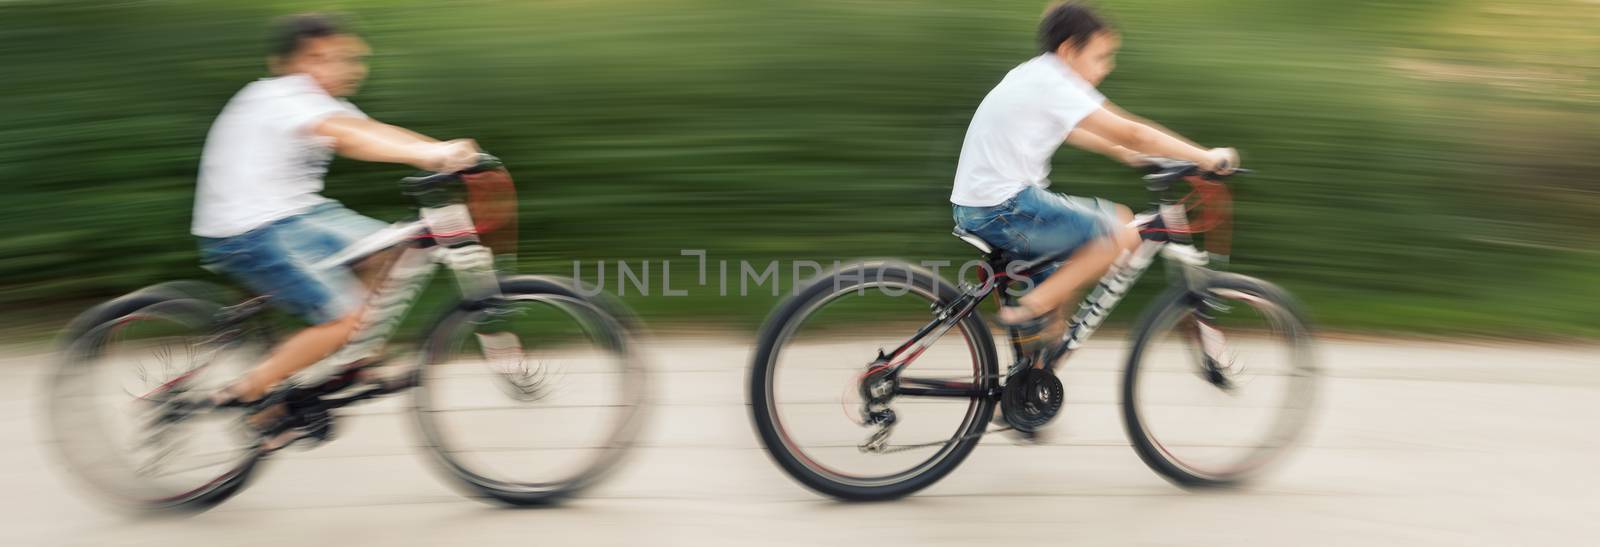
(1163, 232)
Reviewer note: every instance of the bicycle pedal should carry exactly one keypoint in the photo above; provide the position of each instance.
(320, 432)
(314, 421)
(1019, 436)
(306, 430)
(286, 439)
(1031, 438)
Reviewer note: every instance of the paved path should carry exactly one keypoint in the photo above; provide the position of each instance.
(1417, 444)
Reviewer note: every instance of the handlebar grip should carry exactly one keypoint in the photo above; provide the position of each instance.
(1238, 171)
(486, 162)
(418, 184)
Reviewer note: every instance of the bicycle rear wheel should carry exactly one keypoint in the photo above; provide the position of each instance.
(531, 399)
(807, 373)
(1220, 383)
(115, 410)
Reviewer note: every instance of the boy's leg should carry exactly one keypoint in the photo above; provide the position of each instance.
(1083, 266)
(332, 300)
(297, 352)
(312, 344)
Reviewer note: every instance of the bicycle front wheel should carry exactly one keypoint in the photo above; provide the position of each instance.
(530, 399)
(816, 350)
(1220, 382)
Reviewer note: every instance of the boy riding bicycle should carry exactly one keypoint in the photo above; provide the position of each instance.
(1000, 182)
(258, 212)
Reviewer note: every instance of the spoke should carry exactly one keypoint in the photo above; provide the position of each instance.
(208, 460)
(1259, 368)
(526, 408)
(513, 449)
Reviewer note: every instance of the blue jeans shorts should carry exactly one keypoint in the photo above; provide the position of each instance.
(1037, 223)
(276, 260)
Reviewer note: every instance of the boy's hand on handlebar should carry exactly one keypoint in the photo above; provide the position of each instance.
(450, 156)
(1221, 161)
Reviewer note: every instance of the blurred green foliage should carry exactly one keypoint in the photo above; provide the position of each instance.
(1426, 165)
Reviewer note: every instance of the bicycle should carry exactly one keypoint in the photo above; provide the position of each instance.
(1197, 328)
(129, 412)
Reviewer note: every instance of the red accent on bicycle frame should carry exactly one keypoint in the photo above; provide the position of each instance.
(492, 202)
(492, 199)
(1215, 203)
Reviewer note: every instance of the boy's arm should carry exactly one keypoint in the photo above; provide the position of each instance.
(1087, 140)
(1153, 125)
(407, 132)
(370, 140)
(1148, 140)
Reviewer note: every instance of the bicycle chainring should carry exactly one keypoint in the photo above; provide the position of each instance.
(1031, 399)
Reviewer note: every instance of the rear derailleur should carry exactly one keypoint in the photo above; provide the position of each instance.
(877, 387)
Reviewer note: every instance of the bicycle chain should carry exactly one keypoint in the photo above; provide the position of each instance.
(903, 448)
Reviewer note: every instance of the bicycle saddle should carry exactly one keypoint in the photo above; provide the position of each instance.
(974, 240)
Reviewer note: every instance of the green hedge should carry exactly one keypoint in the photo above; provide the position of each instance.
(1425, 167)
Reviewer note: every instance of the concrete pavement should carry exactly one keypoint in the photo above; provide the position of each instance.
(1417, 443)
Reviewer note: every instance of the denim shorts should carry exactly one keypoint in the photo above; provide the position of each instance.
(1037, 223)
(276, 260)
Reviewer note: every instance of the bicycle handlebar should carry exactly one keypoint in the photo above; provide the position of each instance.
(1160, 172)
(419, 184)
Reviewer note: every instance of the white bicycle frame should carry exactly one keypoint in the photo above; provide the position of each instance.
(1128, 269)
(457, 248)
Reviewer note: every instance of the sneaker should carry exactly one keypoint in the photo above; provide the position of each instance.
(386, 376)
(279, 419)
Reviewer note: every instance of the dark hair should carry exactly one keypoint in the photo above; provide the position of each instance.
(1068, 22)
(291, 32)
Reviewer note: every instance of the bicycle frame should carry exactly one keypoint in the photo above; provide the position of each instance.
(443, 236)
(1171, 241)
(456, 248)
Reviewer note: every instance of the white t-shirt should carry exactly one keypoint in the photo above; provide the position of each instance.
(1017, 128)
(261, 161)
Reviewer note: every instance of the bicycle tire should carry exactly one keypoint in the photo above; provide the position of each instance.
(791, 313)
(1164, 311)
(620, 331)
(80, 344)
